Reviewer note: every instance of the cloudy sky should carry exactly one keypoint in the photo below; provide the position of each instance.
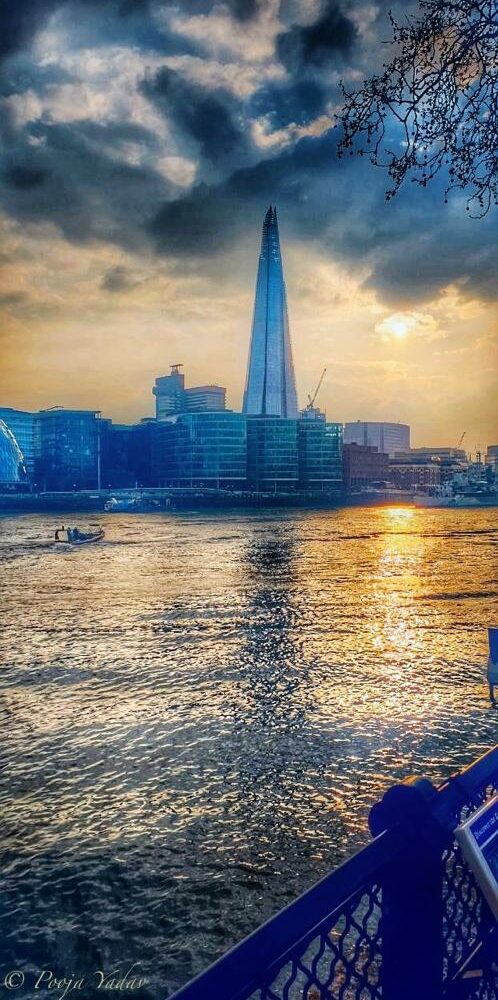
(142, 141)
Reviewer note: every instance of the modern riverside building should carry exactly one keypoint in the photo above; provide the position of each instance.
(202, 398)
(204, 450)
(126, 454)
(270, 389)
(21, 424)
(272, 454)
(386, 437)
(172, 397)
(320, 453)
(169, 391)
(12, 469)
(116, 447)
(66, 449)
(143, 452)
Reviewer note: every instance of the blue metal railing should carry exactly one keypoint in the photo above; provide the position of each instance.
(403, 919)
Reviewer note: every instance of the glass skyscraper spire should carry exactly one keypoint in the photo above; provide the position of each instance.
(270, 385)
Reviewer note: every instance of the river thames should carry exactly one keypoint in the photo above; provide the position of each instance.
(199, 712)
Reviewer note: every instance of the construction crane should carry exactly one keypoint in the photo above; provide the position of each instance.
(459, 445)
(311, 399)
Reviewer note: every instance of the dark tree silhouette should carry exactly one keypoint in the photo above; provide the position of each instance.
(441, 89)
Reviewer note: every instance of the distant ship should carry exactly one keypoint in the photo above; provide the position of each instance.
(478, 493)
(117, 505)
(433, 500)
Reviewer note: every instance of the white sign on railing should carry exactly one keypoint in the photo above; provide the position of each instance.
(478, 840)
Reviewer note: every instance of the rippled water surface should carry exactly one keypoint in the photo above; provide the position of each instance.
(199, 712)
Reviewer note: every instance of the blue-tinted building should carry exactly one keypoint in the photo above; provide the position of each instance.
(270, 384)
(21, 424)
(320, 453)
(116, 455)
(204, 450)
(66, 449)
(169, 391)
(172, 397)
(12, 469)
(126, 454)
(142, 452)
(272, 454)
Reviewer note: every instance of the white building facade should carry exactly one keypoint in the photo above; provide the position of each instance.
(386, 437)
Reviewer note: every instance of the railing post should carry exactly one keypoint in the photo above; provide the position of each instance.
(412, 899)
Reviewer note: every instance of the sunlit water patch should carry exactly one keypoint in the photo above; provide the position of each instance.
(199, 712)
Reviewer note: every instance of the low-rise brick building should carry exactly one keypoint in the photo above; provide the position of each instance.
(363, 465)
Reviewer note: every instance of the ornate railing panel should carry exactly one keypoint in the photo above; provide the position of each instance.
(404, 919)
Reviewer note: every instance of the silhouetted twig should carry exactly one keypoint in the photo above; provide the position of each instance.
(441, 90)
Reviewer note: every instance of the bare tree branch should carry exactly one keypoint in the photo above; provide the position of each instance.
(441, 89)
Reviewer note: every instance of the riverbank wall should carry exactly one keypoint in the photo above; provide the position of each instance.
(157, 500)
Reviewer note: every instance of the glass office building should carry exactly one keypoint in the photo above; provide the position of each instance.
(12, 469)
(115, 455)
(21, 424)
(272, 454)
(66, 449)
(143, 452)
(199, 398)
(203, 450)
(126, 454)
(270, 384)
(320, 455)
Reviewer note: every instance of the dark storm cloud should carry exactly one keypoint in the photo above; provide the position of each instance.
(20, 20)
(332, 35)
(207, 118)
(72, 178)
(118, 279)
(76, 175)
(412, 245)
(286, 103)
(127, 7)
(98, 21)
(124, 22)
(24, 177)
(21, 75)
(210, 218)
(425, 260)
(205, 221)
(241, 10)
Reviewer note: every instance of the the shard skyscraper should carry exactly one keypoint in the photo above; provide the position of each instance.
(270, 385)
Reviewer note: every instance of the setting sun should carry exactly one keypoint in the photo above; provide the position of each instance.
(399, 328)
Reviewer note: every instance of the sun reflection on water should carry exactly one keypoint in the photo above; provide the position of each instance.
(398, 515)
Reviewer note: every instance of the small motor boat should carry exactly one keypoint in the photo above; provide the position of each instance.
(73, 536)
